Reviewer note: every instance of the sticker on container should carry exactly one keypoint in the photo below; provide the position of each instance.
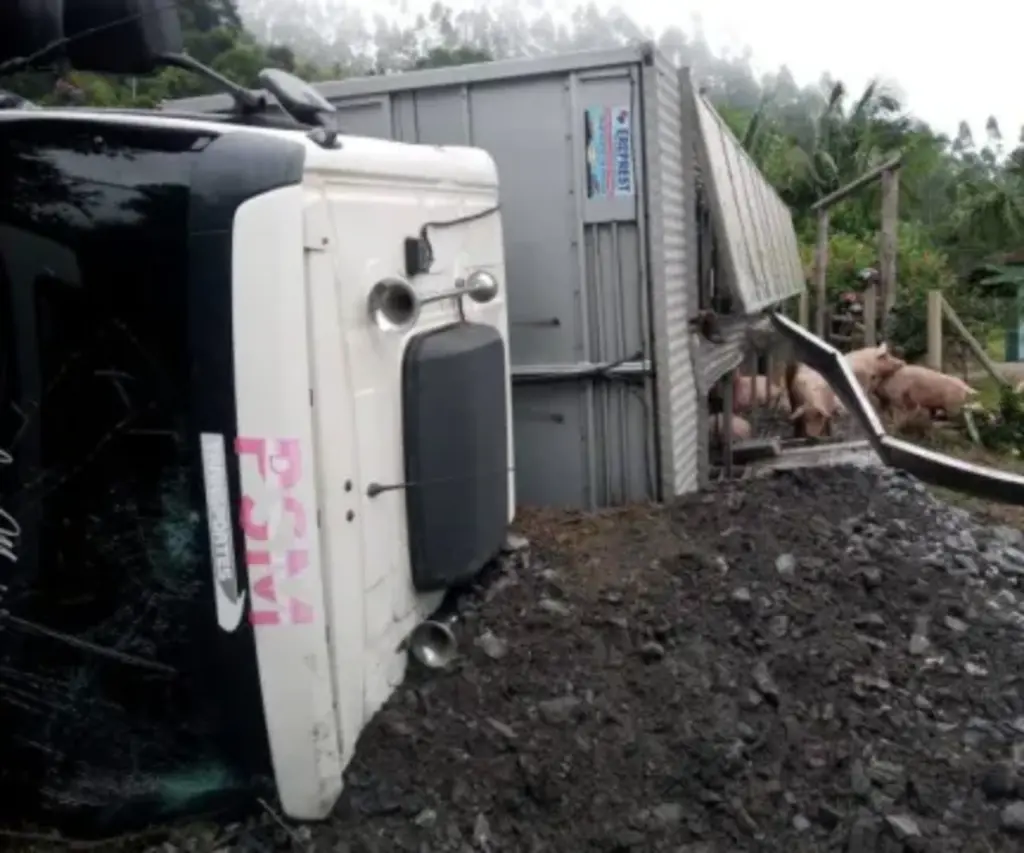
(594, 128)
(608, 132)
(622, 144)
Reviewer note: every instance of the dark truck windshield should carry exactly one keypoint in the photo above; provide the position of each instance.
(108, 701)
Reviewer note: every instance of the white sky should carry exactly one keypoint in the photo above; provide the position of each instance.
(951, 60)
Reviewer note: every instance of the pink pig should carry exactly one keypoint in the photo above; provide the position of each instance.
(916, 387)
(741, 429)
(751, 391)
(813, 401)
(873, 365)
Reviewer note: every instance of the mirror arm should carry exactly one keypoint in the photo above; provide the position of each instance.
(247, 101)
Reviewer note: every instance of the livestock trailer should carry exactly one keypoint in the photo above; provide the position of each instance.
(629, 211)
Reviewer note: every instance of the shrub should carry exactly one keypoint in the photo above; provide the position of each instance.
(1002, 428)
(920, 267)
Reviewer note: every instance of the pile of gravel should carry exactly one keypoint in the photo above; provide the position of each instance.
(820, 660)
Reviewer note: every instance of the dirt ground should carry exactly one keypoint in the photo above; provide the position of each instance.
(821, 660)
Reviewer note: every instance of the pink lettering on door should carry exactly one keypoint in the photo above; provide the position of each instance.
(275, 557)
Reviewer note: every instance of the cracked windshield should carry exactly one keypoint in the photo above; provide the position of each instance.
(489, 426)
(103, 545)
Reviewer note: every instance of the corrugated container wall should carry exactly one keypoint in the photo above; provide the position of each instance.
(600, 241)
(592, 261)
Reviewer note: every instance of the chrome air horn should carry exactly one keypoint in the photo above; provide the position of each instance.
(432, 643)
(394, 305)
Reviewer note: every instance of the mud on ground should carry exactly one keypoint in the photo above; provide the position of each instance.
(823, 660)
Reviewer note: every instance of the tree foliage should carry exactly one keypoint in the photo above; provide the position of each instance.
(961, 197)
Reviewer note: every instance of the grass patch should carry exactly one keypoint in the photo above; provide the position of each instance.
(995, 345)
(988, 392)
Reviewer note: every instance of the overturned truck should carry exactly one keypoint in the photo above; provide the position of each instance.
(258, 401)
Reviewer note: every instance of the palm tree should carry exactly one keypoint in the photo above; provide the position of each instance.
(806, 160)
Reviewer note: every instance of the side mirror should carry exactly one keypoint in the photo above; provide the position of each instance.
(28, 26)
(120, 36)
(300, 100)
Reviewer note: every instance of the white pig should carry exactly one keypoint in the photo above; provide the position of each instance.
(813, 402)
(751, 391)
(873, 365)
(741, 429)
(917, 387)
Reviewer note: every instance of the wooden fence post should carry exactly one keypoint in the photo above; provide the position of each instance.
(888, 174)
(888, 239)
(821, 274)
(870, 315)
(934, 327)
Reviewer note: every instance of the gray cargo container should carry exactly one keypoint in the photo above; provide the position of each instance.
(598, 158)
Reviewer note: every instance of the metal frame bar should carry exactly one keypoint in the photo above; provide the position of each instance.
(936, 468)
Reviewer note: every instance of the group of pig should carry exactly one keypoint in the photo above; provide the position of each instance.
(896, 388)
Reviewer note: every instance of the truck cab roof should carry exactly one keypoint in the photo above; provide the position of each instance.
(458, 165)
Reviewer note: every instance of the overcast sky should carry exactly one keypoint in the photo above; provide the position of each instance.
(952, 60)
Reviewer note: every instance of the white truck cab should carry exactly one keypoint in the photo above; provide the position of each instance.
(257, 411)
(396, 411)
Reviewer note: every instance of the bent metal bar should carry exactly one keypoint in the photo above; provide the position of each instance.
(929, 466)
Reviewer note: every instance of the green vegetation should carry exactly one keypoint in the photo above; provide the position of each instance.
(960, 203)
(961, 198)
(216, 36)
(1001, 426)
(990, 431)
